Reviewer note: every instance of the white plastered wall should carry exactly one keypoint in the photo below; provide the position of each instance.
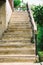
(8, 12)
(5, 14)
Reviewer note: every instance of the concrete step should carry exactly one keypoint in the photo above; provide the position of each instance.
(16, 39)
(16, 45)
(12, 40)
(20, 63)
(20, 22)
(19, 25)
(18, 35)
(17, 51)
(20, 16)
(21, 36)
(18, 32)
(13, 25)
(19, 29)
(20, 13)
(7, 38)
(17, 58)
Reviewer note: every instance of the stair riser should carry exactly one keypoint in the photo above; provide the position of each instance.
(13, 30)
(20, 13)
(16, 59)
(17, 52)
(20, 16)
(16, 23)
(16, 45)
(15, 39)
(17, 36)
(16, 32)
(19, 26)
(20, 23)
(25, 41)
(26, 37)
(20, 19)
(19, 46)
(20, 41)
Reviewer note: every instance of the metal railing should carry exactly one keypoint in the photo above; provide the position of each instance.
(34, 26)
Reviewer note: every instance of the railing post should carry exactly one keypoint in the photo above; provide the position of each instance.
(36, 43)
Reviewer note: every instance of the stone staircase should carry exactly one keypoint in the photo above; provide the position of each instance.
(16, 45)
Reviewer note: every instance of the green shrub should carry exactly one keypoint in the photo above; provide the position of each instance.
(38, 17)
(16, 3)
(40, 38)
(24, 7)
(38, 14)
(40, 53)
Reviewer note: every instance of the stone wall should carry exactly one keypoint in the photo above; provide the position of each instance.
(2, 17)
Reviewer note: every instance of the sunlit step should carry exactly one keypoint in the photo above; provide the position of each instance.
(17, 58)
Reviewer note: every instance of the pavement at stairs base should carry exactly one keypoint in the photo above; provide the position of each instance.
(21, 63)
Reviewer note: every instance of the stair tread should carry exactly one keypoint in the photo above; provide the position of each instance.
(18, 35)
(15, 32)
(16, 44)
(26, 41)
(12, 40)
(20, 23)
(19, 29)
(19, 55)
(17, 48)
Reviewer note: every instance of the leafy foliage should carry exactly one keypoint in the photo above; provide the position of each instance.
(24, 7)
(40, 38)
(38, 16)
(16, 3)
(40, 53)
